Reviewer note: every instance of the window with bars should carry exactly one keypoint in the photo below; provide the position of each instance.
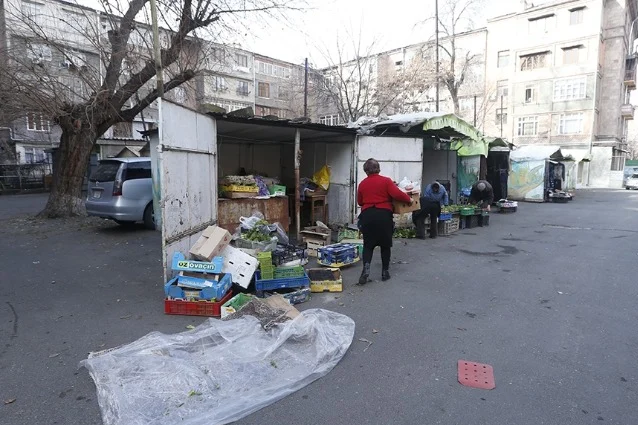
(528, 126)
(570, 89)
(571, 124)
(37, 122)
(617, 160)
(218, 83)
(263, 89)
(534, 61)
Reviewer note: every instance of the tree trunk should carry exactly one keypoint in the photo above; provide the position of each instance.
(69, 168)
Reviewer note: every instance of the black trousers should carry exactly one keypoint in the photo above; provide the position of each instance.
(428, 208)
(377, 227)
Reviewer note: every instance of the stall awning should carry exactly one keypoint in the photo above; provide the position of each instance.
(538, 153)
(577, 155)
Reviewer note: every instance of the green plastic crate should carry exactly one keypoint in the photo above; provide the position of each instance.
(284, 272)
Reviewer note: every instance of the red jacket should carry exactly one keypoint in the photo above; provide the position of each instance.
(378, 191)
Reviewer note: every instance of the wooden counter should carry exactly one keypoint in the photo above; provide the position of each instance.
(273, 209)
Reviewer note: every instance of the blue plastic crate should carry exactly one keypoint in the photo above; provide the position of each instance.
(288, 282)
(445, 216)
(338, 254)
(215, 292)
(181, 264)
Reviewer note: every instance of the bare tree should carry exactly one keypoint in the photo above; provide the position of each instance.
(361, 82)
(456, 63)
(109, 71)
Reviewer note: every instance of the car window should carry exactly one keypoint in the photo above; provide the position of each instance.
(138, 170)
(106, 171)
(634, 176)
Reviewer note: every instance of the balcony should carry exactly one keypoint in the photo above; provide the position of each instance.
(627, 111)
(630, 73)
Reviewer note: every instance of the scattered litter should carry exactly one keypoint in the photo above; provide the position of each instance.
(53, 282)
(401, 306)
(54, 355)
(476, 375)
(11, 400)
(367, 342)
(341, 304)
(273, 364)
(222, 362)
(560, 292)
(190, 327)
(374, 331)
(36, 262)
(128, 316)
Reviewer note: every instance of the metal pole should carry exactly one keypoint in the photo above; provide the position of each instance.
(297, 183)
(501, 116)
(474, 110)
(305, 90)
(157, 51)
(436, 20)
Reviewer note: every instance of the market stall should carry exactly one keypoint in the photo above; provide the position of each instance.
(538, 174)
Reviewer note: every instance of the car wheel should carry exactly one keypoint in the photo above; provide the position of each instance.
(149, 219)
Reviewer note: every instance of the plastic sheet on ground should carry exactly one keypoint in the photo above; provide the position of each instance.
(217, 373)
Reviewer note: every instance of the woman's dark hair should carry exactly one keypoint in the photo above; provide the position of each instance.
(371, 167)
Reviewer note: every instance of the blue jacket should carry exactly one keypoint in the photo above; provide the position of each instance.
(441, 197)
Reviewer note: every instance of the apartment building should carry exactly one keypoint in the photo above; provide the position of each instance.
(565, 80)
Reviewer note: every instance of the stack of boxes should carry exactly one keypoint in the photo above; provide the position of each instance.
(338, 255)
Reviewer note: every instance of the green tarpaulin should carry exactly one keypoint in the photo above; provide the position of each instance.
(473, 144)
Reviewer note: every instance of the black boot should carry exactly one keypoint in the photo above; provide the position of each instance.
(434, 230)
(365, 274)
(385, 275)
(420, 230)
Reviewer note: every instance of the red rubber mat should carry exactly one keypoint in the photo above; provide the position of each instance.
(476, 375)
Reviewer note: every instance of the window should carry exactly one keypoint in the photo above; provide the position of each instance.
(330, 119)
(138, 170)
(570, 89)
(527, 126)
(576, 16)
(571, 55)
(571, 124)
(263, 89)
(218, 83)
(73, 58)
(503, 58)
(502, 90)
(530, 94)
(32, 11)
(39, 52)
(618, 160)
(219, 55)
(534, 61)
(541, 24)
(264, 68)
(262, 111)
(37, 122)
(501, 114)
(242, 88)
(242, 60)
(74, 88)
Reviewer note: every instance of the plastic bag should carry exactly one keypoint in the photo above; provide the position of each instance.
(217, 373)
(248, 223)
(409, 186)
(322, 177)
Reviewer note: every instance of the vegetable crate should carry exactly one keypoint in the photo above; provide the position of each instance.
(338, 255)
(445, 216)
(322, 280)
(484, 220)
(239, 188)
(195, 308)
(235, 304)
(294, 297)
(286, 253)
(348, 233)
(262, 285)
(448, 227)
(465, 211)
(277, 190)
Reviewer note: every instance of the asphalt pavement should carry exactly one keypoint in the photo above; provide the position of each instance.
(547, 296)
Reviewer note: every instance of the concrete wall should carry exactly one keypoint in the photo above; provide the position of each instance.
(600, 167)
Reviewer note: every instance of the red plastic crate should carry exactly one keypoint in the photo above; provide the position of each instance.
(196, 308)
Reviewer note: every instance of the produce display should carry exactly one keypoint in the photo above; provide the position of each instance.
(259, 233)
(405, 233)
(239, 181)
(451, 208)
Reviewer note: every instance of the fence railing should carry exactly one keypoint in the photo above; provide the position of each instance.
(20, 177)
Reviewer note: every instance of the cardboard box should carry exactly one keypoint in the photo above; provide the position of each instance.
(401, 208)
(212, 241)
(316, 237)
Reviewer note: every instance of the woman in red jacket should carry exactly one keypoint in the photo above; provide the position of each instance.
(374, 196)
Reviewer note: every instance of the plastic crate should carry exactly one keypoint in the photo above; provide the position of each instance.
(295, 296)
(322, 280)
(484, 220)
(294, 271)
(338, 253)
(262, 285)
(449, 226)
(466, 211)
(239, 265)
(235, 303)
(445, 216)
(240, 188)
(189, 287)
(471, 221)
(196, 308)
(348, 233)
(277, 190)
(286, 253)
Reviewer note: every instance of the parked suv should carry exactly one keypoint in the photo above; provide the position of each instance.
(121, 189)
(632, 182)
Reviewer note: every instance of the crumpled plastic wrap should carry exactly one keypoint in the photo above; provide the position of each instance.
(217, 373)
